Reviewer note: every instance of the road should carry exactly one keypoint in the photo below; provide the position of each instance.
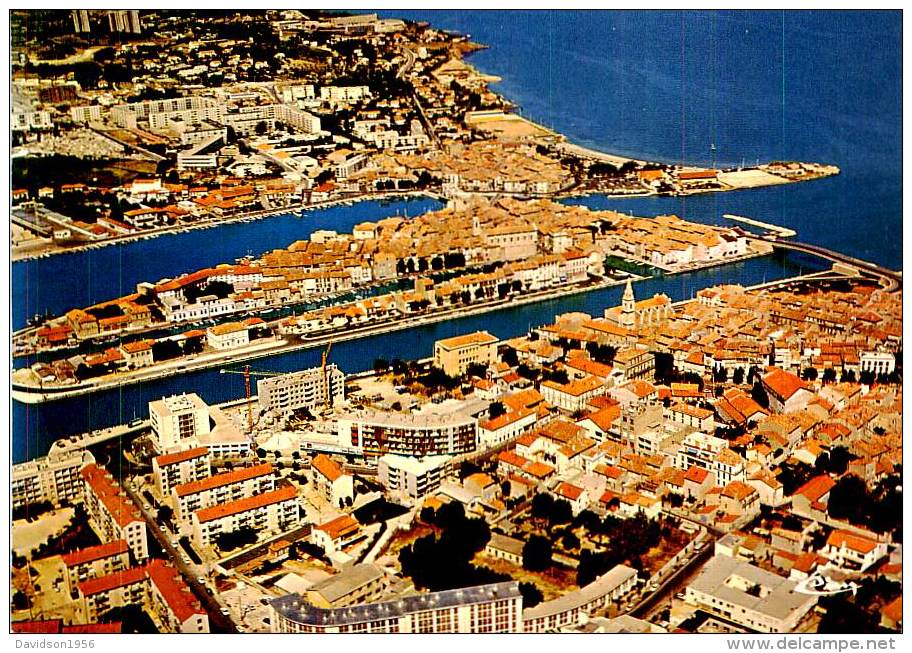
(894, 277)
(673, 583)
(218, 622)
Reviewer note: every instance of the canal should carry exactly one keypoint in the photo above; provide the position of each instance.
(35, 427)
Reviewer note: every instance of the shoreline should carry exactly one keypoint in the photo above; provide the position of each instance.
(33, 394)
(214, 224)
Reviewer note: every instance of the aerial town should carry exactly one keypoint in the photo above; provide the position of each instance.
(726, 463)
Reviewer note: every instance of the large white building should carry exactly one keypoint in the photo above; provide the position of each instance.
(222, 488)
(54, 478)
(494, 608)
(377, 433)
(112, 513)
(179, 420)
(749, 596)
(269, 512)
(304, 389)
(409, 478)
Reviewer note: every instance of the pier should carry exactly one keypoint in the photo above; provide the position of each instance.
(782, 232)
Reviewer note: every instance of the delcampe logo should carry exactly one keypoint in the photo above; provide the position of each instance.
(820, 585)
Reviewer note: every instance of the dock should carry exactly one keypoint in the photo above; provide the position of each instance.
(782, 232)
(85, 440)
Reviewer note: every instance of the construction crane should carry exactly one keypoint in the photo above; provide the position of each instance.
(247, 372)
(326, 393)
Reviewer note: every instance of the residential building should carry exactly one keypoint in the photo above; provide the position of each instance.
(853, 552)
(222, 488)
(112, 513)
(494, 608)
(331, 481)
(506, 548)
(229, 335)
(269, 512)
(337, 534)
(573, 396)
(376, 433)
(309, 389)
(757, 600)
(410, 478)
(455, 355)
(95, 562)
(54, 478)
(178, 420)
(181, 467)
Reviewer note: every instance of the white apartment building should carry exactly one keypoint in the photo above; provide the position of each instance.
(411, 479)
(185, 466)
(712, 454)
(308, 388)
(178, 420)
(222, 488)
(494, 608)
(54, 478)
(333, 483)
(269, 512)
(878, 362)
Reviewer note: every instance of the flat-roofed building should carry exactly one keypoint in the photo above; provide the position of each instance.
(749, 596)
(331, 481)
(269, 512)
(361, 583)
(53, 478)
(455, 355)
(573, 608)
(111, 512)
(409, 434)
(494, 608)
(304, 389)
(410, 478)
(229, 486)
(178, 420)
(185, 466)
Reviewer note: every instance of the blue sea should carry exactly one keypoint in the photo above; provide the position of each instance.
(661, 85)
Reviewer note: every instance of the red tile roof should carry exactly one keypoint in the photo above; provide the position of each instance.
(569, 491)
(227, 478)
(243, 505)
(92, 553)
(112, 581)
(181, 456)
(847, 540)
(340, 526)
(111, 495)
(327, 467)
(817, 487)
(174, 590)
(781, 383)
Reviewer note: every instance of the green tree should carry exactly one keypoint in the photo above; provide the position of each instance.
(537, 553)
